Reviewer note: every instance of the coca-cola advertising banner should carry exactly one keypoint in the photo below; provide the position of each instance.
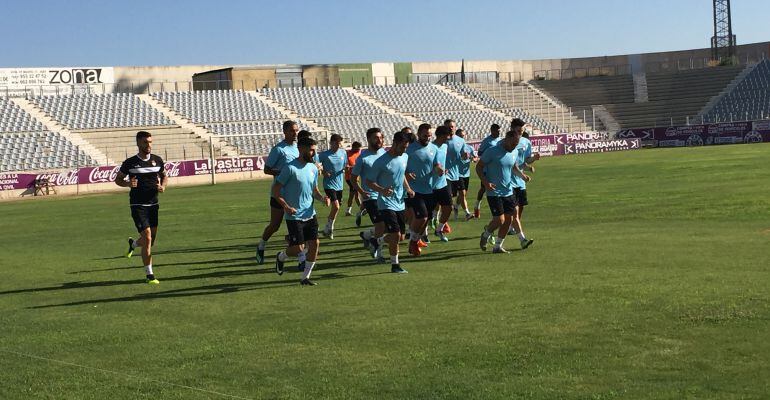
(174, 169)
(701, 135)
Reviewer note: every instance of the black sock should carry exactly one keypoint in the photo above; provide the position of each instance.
(151, 277)
(373, 242)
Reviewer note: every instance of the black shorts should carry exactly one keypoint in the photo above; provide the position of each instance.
(371, 208)
(274, 203)
(394, 221)
(422, 205)
(457, 186)
(334, 195)
(145, 217)
(466, 183)
(521, 196)
(302, 231)
(502, 205)
(442, 197)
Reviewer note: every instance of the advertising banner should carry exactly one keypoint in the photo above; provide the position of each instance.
(51, 81)
(90, 175)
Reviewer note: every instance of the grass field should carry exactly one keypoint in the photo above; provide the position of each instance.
(649, 278)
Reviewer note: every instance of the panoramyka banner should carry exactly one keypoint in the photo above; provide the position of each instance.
(702, 135)
(174, 169)
(602, 146)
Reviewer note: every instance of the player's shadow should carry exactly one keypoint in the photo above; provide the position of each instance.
(209, 290)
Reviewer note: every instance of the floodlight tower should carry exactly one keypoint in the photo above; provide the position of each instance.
(723, 41)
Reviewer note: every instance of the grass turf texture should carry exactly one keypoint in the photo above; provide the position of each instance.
(648, 279)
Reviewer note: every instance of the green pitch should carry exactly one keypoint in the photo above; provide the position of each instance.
(649, 278)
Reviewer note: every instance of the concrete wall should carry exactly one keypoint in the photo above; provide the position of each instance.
(152, 79)
(213, 80)
(384, 73)
(253, 78)
(355, 74)
(321, 75)
(403, 72)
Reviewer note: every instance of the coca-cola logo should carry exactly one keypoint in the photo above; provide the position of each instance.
(173, 169)
(60, 178)
(103, 174)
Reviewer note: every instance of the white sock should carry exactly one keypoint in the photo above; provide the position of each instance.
(134, 245)
(148, 269)
(440, 228)
(330, 223)
(478, 204)
(499, 243)
(466, 211)
(301, 257)
(308, 269)
(350, 209)
(282, 256)
(394, 259)
(521, 236)
(262, 244)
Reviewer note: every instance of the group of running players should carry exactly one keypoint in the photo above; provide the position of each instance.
(417, 183)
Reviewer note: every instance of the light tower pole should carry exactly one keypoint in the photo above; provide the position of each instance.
(723, 41)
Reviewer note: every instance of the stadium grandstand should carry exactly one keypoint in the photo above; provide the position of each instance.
(94, 124)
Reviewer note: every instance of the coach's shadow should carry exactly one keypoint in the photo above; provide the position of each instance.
(208, 290)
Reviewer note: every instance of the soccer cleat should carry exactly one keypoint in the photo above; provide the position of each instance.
(476, 213)
(331, 234)
(348, 213)
(447, 229)
(307, 282)
(421, 244)
(130, 251)
(499, 250)
(396, 269)
(327, 232)
(511, 232)
(526, 243)
(358, 219)
(425, 239)
(469, 216)
(442, 236)
(484, 240)
(278, 264)
(152, 281)
(414, 248)
(374, 251)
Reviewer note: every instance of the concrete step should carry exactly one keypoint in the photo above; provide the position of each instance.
(377, 103)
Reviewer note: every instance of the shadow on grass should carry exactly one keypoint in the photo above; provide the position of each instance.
(208, 290)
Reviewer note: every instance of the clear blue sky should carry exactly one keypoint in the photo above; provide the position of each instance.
(170, 32)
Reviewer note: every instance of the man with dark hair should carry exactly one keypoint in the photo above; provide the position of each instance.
(420, 168)
(408, 212)
(496, 169)
(524, 161)
(464, 171)
(146, 178)
(455, 156)
(362, 169)
(294, 189)
(280, 155)
(442, 194)
(388, 178)
(355, 150)
(486, 143)
(333, 161)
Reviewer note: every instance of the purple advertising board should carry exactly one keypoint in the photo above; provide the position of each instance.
(90, 175)
(701, 135)
(602, 146)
